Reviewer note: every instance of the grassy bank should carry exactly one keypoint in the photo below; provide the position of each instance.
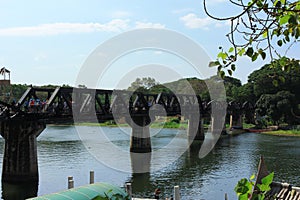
(283, 132)
(154, 125)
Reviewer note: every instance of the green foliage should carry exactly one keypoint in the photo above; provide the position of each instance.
(142, 85)
(259, 30)
(244, 188)
(277, 106)
(112, 196)
(275, 91)
(12, 92)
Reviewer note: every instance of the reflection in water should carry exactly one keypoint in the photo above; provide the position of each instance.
(19, 191)
(140, 162)
(141, 184)
(62, 154)
(194, 148)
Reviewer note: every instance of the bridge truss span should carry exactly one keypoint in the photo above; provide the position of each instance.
(62, 104)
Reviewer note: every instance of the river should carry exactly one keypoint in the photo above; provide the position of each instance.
(61, 153)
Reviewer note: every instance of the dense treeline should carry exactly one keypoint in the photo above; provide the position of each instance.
(275, 93)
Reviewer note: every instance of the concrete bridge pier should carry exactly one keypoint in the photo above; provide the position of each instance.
(20, 152)
(195, 129)
(140, 141)
(218, 124)
(236, 120)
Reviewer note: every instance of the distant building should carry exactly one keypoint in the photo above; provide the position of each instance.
(5, 73)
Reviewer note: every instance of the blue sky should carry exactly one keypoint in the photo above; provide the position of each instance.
(47, 42)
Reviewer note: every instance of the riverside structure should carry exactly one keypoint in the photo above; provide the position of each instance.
(21, 123)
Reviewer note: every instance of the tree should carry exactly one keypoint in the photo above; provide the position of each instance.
(260, 29)
(270, 80)
(277, 107)
(246, 93)
(142, 85)
(232, 86)
(12, 92)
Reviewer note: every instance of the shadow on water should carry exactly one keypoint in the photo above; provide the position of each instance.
(19, 191)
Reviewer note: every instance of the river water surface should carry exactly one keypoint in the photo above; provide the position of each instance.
(61, 153)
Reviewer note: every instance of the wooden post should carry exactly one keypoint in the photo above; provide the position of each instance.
(128, 189)
(70, 182)
(176, 193)
(92, 177)
(226, 197)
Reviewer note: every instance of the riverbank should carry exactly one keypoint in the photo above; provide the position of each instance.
(172, 125)
(294, 133)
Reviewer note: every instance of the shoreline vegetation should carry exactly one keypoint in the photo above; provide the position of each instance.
(294, 133)
(173, 125)
(184, 125)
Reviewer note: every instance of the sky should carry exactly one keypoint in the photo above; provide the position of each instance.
(48, 42)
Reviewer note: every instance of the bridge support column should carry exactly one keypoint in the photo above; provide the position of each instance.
(140, 141)
(195, 129)
(236, 120)
(218, 125)
(20, 152)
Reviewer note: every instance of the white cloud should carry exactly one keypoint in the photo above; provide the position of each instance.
(115, 25)
(148, 25)
(121, 14)
(192, 21)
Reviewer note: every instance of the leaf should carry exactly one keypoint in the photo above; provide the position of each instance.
(298, 6)
(213, 63)
(265, 34)
(275, 83)
(263, 55)
(252, 177)
(243, 197)
(221, 74)
(229, 72)
(249, 52)
(254, 57)
(241, 51)
(259, 4)
(231, 49)
(284, 19)
(220, 68)
(292, 20)
(287, 38)
(222, 55)
(277, 4)
(268, 179)
(233, 67)
(279, 42)
(263, 187)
